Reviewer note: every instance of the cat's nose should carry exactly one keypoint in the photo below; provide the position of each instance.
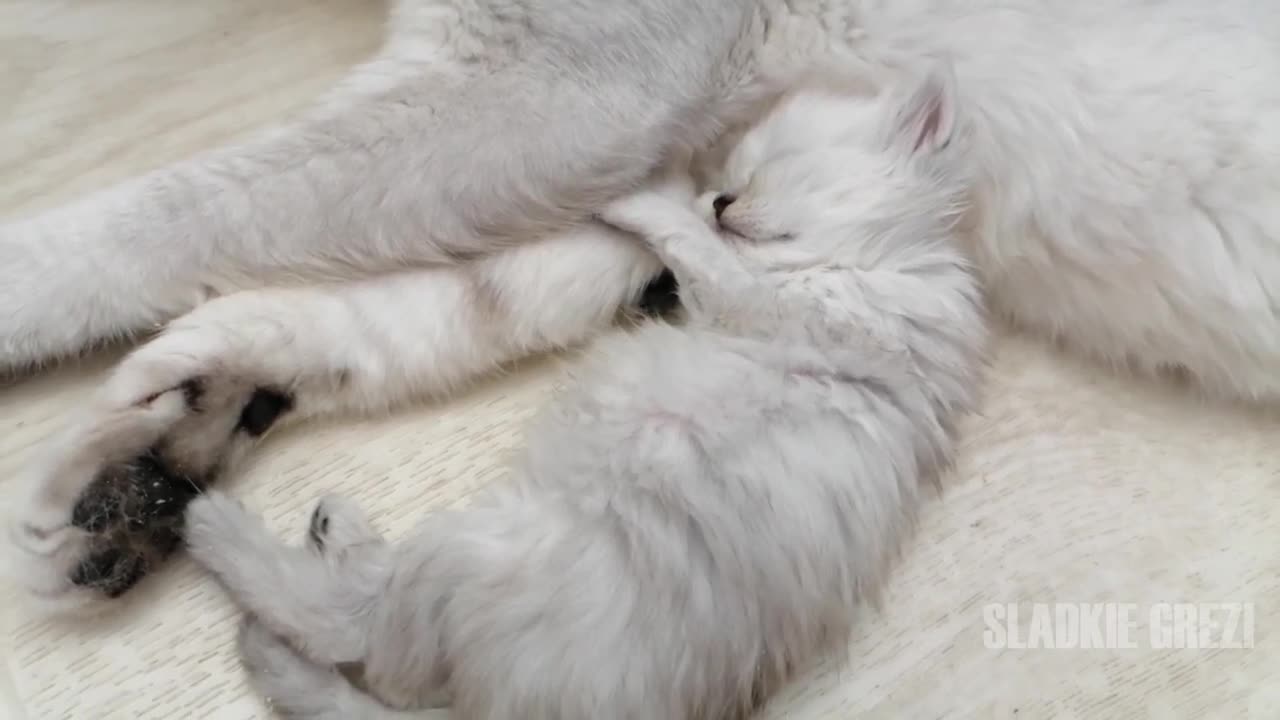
(721, 202)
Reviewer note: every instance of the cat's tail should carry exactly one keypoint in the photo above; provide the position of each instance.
(297, 689)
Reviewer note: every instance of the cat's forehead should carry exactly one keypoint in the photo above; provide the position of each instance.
(801, 129)
(813, 119)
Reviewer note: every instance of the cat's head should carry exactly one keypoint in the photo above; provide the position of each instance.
(830, 172)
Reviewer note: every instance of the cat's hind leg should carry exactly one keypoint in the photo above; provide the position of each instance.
(262, 358)
(471, 134)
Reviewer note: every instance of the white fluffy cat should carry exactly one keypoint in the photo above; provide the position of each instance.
(702, 514)
(1124, 203)
(105, 504)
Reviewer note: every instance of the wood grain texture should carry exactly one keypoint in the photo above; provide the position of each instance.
(1074, 486)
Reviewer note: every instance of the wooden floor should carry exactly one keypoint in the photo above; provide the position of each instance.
(1074, 486)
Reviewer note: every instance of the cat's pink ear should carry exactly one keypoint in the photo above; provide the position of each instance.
(924, 112)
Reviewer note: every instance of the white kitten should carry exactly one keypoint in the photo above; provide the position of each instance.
(1128, 166)
(705, 511)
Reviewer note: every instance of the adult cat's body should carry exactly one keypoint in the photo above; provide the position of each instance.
(1130, 172)
(702, 513)
(1125, 200)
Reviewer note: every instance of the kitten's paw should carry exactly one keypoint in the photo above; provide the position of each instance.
(261, 650)
(337, 525)
(218, 528)
(105, 504)
(286, 680)
(671, 190)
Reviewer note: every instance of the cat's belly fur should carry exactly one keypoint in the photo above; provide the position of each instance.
(1130, 168)
(700, 432)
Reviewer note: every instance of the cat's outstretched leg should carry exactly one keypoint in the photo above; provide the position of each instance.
(300, 680)
(296, 688)
(106, 498)
(318, 598)
(340, 536)
(506, 126)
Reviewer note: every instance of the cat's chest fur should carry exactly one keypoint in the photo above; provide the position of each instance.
(702, 387)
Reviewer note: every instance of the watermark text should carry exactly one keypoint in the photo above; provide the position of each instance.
(1191, 626)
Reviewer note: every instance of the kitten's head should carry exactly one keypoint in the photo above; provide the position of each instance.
(829, 172)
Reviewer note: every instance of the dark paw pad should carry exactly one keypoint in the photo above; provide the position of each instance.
(135, 511)
(661, 296)
(263, 409)
(112, 571)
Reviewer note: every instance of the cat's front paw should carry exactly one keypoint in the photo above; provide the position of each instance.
(288, 683)
(263, 652)
(217, 528)
(338, 524)
(104, 503)
(649, 210)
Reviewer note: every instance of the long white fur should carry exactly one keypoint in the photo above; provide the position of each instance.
(705, 510)
(1124, 203)
(1130, 169)
(1126, 206)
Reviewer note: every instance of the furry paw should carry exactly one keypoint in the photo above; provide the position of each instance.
(288, 683)
(295, 687)
(338, 524)
(262, 651)
(219, 529)
(671, 190)
(104, 504)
